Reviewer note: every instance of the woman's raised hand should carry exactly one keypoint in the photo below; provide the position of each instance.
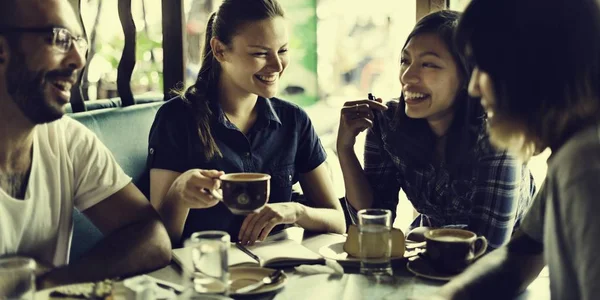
(356, 116)
(193, 188)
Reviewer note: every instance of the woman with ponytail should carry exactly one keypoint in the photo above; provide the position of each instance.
(229, 121)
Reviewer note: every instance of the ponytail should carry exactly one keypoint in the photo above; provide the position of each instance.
(198, 95)
(232, 15)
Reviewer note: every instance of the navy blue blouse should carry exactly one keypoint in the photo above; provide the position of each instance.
(282, 142)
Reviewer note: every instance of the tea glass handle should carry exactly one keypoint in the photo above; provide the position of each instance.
(482, 246)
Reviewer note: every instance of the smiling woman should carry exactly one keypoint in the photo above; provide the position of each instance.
(229, 122)
(432, 144)
(430, 80)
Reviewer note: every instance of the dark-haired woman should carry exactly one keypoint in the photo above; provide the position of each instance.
(432, 144)
(535, 104)
(229, 121)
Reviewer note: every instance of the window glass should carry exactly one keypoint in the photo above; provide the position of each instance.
(101, 19)
(458, 5)
(358, 46)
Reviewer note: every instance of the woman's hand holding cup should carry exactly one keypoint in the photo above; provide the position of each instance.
(195, 188)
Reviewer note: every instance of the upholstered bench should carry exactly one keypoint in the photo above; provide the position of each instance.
(116, 102)
(124, 131)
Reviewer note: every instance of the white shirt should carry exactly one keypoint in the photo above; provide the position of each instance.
(565, 217)
(70, 167)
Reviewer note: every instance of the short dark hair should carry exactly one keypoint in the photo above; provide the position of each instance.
(8, 12)
(222, 24)
(543, 58)
(468, 114)
(9, 16)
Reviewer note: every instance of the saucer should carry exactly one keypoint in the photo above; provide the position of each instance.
(245, 276)
(421, 267)
(336, 252)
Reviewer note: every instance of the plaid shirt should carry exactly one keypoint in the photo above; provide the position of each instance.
(490, 200)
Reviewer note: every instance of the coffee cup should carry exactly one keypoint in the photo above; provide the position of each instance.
(244, 193)
(452, 250)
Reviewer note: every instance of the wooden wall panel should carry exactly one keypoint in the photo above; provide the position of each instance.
(76, 93)
(127, 61)
(426, 6)
(173, 45)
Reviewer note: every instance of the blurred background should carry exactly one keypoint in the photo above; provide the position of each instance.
(339, 48)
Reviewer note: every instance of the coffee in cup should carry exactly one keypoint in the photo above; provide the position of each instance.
(245, 193)
(452, 250)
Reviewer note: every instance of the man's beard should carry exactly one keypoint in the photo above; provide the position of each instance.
(26, 87)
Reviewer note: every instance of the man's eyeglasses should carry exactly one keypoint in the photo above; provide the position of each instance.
(61, 38)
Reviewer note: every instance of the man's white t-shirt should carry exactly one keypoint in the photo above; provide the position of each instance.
(70, 168)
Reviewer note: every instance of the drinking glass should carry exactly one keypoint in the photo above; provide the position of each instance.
(374, 241)
(17, 278)
(210, 262)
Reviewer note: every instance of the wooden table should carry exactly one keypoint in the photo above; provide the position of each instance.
(403, 285)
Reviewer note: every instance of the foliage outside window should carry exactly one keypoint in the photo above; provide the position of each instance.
(101, 20)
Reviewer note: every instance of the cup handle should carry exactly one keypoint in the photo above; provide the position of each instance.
(482, 247)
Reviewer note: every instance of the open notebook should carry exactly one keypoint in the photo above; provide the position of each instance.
(281, 253)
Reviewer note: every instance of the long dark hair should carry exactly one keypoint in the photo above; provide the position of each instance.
(419, 142)
(222, 24)
(543, 58)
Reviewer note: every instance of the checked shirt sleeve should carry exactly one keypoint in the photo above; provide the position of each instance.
(381, 174)
(496, 197)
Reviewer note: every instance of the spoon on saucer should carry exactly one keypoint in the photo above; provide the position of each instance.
(272, 278)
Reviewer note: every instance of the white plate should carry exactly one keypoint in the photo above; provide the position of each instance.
(336, 252)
